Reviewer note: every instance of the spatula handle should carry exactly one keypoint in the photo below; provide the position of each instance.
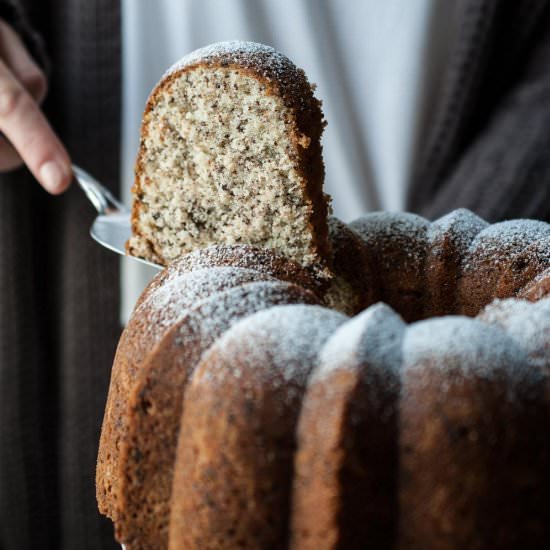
(102, 199)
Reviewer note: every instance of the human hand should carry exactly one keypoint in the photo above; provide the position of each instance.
(30, 138)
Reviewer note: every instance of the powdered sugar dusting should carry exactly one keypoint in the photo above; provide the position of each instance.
(499, 238)
(391, 224)
(261, 60)
(170, 301)
(279, 344)
(517, 231)
(460, 225)
(209, 318)
(245, 256)
(465, 348)
(374, 337)
(396, 231)
(526, 322)
(235, 52)
(537, 253)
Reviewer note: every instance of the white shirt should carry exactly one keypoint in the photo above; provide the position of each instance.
(377, 65)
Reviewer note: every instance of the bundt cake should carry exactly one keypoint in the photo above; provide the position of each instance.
(230, 153)
(167, 302)
(291, 381)
(345, 478)
(397, 435)
(245, 399)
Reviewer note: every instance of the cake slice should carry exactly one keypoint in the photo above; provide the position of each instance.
(230, 153)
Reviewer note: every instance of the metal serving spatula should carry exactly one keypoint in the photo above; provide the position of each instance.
(111, 228)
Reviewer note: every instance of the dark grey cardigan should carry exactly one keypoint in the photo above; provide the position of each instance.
(59, 297)
(488, 150)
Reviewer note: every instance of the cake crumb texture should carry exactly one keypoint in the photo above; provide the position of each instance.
(230, 153)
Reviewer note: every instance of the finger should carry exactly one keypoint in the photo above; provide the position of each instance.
(27, 129)
(16, 56)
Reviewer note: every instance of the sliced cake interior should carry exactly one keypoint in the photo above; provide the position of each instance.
(230, 153)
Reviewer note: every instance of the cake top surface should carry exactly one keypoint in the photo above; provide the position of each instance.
(237, 52)
(460, 219)
(505, 312)
(526, 322)
(510, 234)
(212, 315)
(169, 301)
(465, 347)
(239, 256)
(242, 255)
(279, 342)
(461, 225)
(390, 224)
(371, 337)
(258, 59)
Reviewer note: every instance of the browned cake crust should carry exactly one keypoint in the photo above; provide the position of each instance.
(166, 298)
(233, 471)
(525, 267)
(354, 285)
(280, 78)
(155, 405)
(146, 326)
(345, 479)
(397, 243)
(474, 468)
(449, 238)
(538, 288)
(243, 256)
(501, 259)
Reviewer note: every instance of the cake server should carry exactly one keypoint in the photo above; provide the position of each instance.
(111, 228)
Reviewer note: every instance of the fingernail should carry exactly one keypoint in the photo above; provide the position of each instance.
(52, 176)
